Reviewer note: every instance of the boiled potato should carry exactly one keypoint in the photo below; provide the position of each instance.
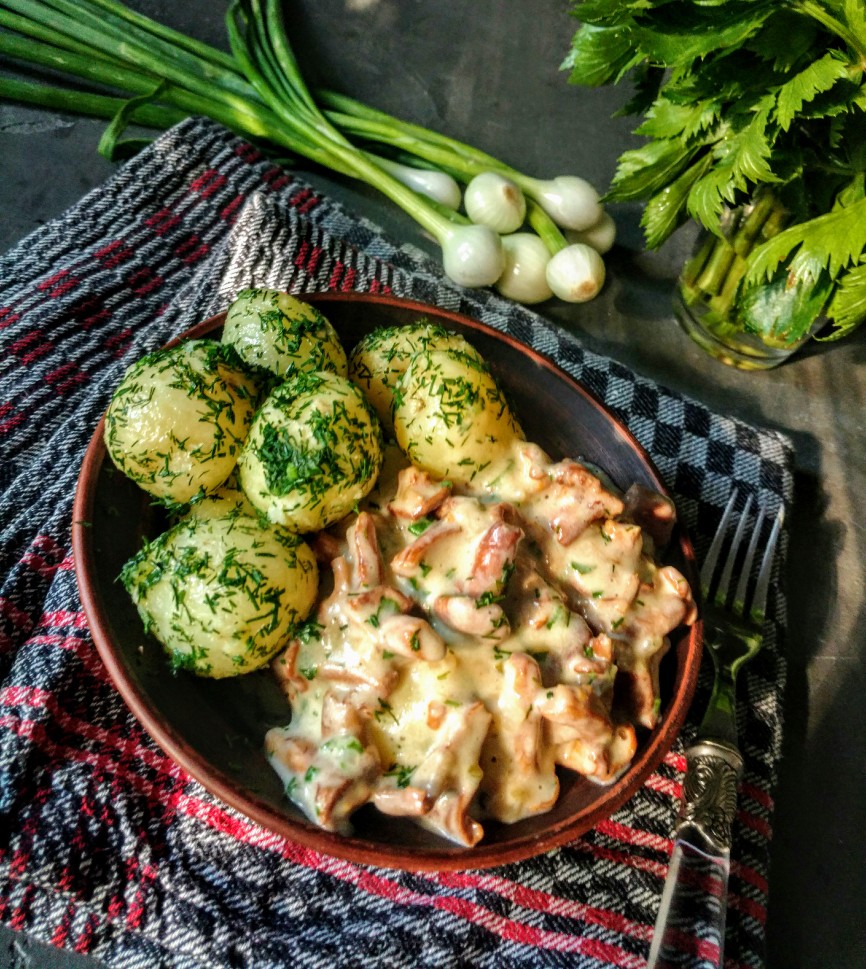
(177, 420)
(314, 450)
(222, 594)
(450, 417)
(378, 361)
(226, 499)
(275, 331)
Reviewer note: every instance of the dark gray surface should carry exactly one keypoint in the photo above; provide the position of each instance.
(17, 951)
(487, 72)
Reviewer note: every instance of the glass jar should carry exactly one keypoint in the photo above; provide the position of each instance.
(752, 328)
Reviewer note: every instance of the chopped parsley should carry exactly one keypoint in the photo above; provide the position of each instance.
(385, 710)
(402, 773)
(420, 526)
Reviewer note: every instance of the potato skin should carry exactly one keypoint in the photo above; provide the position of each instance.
(450, 416)
(314, 450)
(380, 359)
(177, 420)
(222, 594)
(228, 498)
(282, 334)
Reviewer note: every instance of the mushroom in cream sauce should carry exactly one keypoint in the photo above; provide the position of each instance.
(479, 632)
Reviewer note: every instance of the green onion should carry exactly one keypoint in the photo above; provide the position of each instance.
(142, 72)
(568, 200)
(93, 105)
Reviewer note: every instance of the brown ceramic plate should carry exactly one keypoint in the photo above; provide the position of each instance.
(215, 729)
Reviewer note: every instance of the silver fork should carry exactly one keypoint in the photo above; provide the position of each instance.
(695, 892)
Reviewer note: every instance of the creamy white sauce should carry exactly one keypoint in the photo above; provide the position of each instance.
(479, 651)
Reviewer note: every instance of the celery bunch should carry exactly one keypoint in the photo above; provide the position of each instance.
(752, 102)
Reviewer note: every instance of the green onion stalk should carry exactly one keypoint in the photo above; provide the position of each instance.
(472, 255)
(258, 92)
(148, 74)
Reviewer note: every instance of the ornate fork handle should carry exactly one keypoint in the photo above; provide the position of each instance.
(710, 790)
(695, 892)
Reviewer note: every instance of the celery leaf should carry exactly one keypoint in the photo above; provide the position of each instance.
(784, 40)
(679, 42)
(666, 210)
(646, 170)
(600, 55)
(821, 75)
(847, 309)
(854, 13)
(741, 161)
(665, 119)
(785, 309)
(833, 240)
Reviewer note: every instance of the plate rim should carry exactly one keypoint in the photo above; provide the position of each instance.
(350, 847)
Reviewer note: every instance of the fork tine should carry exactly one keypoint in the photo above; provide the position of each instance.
(709, 566)
(742, 585)
(728, 570)
(762, 585)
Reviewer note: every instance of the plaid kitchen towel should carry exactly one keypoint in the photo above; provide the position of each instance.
(106, 846)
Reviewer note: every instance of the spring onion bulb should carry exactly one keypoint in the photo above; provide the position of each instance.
(436, 185)
(472, 255)
(576, 273)
(524, 278)
(569, 200)
(600, 236)
(492, 199)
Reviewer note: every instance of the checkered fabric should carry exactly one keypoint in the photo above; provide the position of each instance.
(106, 846)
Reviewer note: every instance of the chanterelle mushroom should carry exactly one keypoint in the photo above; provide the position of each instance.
(475, 639)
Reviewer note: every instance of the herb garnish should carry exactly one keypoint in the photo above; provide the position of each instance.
(402, 772)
